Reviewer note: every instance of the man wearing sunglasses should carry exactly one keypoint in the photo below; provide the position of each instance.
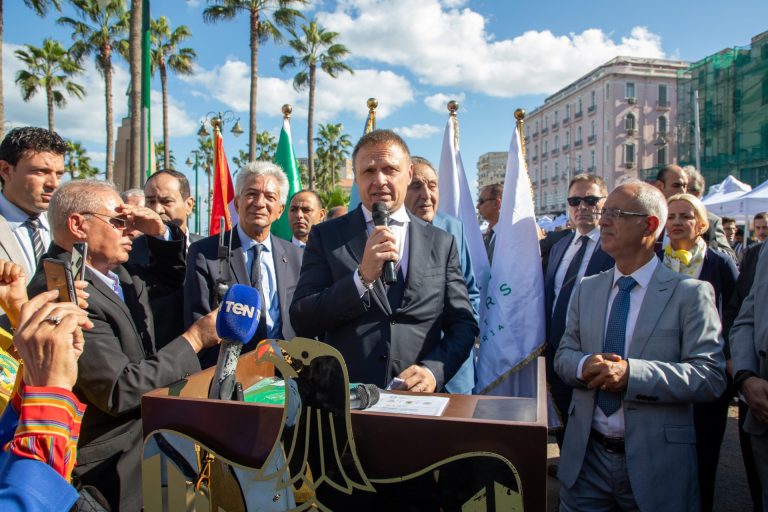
(121, 360)
(571, 258)
(641, 345)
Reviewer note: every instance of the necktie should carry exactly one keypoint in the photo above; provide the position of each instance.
(33, 224)
(261, 330)
(560, 311)
(615, 339)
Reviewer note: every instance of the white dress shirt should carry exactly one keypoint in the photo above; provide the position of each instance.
(16, 217)
(570, 253)
(268, 279)
(298, 243)
(398, 225)
(613, 426)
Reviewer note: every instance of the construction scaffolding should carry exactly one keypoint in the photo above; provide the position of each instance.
(732, 87)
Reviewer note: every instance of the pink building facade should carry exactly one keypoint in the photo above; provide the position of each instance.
(616, 122)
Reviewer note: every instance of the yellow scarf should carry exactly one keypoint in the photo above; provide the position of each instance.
(681, 254)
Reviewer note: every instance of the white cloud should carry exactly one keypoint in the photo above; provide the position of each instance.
(417, 131)
(439, 102)
(229, 83)
(180, 123)
(452, 48)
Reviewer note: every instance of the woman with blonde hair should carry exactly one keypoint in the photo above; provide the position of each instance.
(686, 252)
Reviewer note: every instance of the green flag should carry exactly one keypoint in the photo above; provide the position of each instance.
(285, 158)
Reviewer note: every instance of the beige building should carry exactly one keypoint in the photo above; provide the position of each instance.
(617, 122)
(491, 169)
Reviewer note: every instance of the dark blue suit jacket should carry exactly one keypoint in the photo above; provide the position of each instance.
(599, 262)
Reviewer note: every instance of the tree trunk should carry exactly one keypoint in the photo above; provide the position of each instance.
(254, 83)
(107, 63)
(2, 98)
(49, 101)
(333, 168)
(310, 121)
(166, 147)
(133, 175)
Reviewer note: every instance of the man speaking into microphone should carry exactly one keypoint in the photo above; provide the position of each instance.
(420, 327)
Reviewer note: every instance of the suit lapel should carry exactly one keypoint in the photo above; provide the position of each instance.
(657, 296)
(280, 261)
(419, 242)
(597, 262)
(356, 247)
(597, 313)
(237, 260)
(11, 246)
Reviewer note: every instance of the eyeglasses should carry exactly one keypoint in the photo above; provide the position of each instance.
(615, 213)
(589, 200)
(116, 221)
(481, 201)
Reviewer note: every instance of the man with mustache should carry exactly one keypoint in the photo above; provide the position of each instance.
(306, 210)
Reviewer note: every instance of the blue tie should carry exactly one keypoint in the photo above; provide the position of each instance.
(256, 282)
(615, 338)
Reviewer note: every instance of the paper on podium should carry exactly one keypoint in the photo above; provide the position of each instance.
(419, 405)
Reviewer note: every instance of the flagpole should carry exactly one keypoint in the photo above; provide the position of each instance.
(370, 125)
(520, 118)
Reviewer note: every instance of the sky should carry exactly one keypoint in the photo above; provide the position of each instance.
(492, 56)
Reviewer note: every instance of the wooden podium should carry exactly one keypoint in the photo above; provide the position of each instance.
(388, 449)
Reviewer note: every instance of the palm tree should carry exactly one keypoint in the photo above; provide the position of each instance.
(49, 68)
(101, 32)
(315, 47)
(266, 145)
(78, 163)
(263, 28)
(167, 55)
(205, 146)
(335, 144)
(240, 160)
(41, 8)
(170, 162)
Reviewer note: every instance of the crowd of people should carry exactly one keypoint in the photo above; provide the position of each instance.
(651, 328)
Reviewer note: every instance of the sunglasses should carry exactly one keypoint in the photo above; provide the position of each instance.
(116, 221)
(589, 200)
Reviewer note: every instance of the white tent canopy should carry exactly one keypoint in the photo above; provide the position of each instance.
(721, 197)
(752, 202)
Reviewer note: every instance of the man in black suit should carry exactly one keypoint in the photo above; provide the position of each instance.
(421, 328)
(571, 258)
(261, 190)
(120, 361)
(489, 208)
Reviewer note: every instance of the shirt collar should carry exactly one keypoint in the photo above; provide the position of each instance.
(593, 235)
(110, 278)
(248, 242)
(295, 241)
(643, 275)
(15, 216)
(400, 215)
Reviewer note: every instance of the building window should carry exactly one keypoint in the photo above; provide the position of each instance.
(544, 147)
(555, 169)
(607, 91)
(592, 128)
(593, 162)
(629, 154)
(661, 155)
(545, 199)
(607, 155)
(662, 95)
(557, 142)
(578, 111)
(544, 171)
(578, 134)
(630, 90)
(629, 122)
(578, 162)
(556, 116)
(592, 99)
(536, 150)
(546, 121)
(607, 124)
(765, 89)
(568, 111)
(568, 138)
(537, 126)
(662, 125)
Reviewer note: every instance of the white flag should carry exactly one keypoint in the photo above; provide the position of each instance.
(456, 200)
(512, 330)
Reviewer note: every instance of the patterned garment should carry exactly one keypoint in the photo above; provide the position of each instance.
(9, 368)
(686, 262)
(48, 428)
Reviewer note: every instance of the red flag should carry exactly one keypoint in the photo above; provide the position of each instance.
(223, 204)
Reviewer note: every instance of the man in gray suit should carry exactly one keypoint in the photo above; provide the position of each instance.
(31, 168)
(749, 346)
(266, 262)
(419, 329)
(641, 345)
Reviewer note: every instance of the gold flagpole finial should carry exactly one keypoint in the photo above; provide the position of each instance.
(520, 118)
(287, 110)
(372, 104)
(453, 106)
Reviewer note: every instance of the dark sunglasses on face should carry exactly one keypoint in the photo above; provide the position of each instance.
(116, 221)
(589, 200)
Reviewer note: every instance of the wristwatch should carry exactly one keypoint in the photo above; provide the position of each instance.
(368, 285)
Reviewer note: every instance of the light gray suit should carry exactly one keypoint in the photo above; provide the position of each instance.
(10, 250)
(675, 359)
(749, 352)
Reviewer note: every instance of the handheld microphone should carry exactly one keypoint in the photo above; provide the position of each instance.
(380, 214)
(363, 396)
(236, 325)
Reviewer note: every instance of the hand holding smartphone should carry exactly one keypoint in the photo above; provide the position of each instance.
(58, 276)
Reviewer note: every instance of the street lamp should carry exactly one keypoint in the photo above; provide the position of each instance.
(217, 120)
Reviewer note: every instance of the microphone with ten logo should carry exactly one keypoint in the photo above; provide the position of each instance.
(363, 396)
(236, 325)
(380, 214)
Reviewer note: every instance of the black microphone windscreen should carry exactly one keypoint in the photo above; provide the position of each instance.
(380, 214)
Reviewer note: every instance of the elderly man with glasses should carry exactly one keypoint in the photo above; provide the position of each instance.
(121, 360)
(571, 258)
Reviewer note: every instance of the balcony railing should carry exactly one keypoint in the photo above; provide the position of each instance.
(555, 126)
(566, 148)
(566, 120)
(544, 156)
(591, 169)
(577, 144)
(555, 152)
(544, 131)
(591, 139)
(578, 114)
(592, 109)
(535, 135)
(662, 105)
